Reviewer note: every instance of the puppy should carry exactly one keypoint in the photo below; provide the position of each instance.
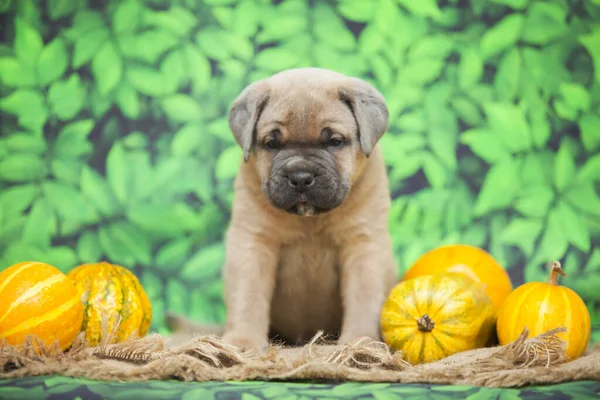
(308, 246)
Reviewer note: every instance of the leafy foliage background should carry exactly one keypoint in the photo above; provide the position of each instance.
(114, 140)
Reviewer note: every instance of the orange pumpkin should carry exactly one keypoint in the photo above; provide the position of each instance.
(115, 303)
(38, 300)
(434, 316)
(543, 306)
(471, 261)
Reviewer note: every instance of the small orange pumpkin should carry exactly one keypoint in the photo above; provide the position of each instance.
(38, 300)
(543, 306)
(111, 294)
(471, 261)
(434, 316)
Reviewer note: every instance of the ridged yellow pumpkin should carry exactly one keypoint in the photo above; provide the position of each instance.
(38, 300)
(471, 261)
(431, 317)
(113, 293)
(543, 306)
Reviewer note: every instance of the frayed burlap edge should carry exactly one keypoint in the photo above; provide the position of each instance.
(538, 360)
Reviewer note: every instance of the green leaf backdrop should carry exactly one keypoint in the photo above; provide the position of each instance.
(115, 145)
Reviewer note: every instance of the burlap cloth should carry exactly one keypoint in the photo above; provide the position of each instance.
(538, 360)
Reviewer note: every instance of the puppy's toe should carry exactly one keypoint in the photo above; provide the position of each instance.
(245, 342)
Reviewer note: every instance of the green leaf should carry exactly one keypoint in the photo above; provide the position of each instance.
(276, 59)
(564, 167)
(88, 44)
(508, 121)
(540, 127)
(329, 28)
(228, 163)
(163, 221)
(466, 110)
(422, 71)
(118, 174)
(146, 80)
(431, 46)
(574, 227)
(88, 247)
(359, 11)
(40, 225)
(72, 139)
(134, 241)
(28, 106)
(128, 101)
(173, 70)
(53, 61)
(507, 78)
(68, 203)
(28, 42)
(246, 17)
(425, 8)
(176, 19)
(22, 168)
(585, 198)
(534, 200)
(214, 42)
(485, 144)
(126, 16)
(15, 74)
(62, 257)
(516, 4)
(554, 242)
(590, 171)
(187, 139)
(501, 36)
(107, 68)
(282, 26)
(370, 41)
(470, 68)
(61, 8)
(172, 255)
(442, 130)
(147, 46)
(500, 187)
(199, 68)
(181, 108)
(544, 22)
(97, 192)
(24, 143)
(435, 171)
(67, 170)
(591, 42)
(66, 98)
(114, 249)
(588, 129)
(575, 96)
(522, 233)
(206, 263)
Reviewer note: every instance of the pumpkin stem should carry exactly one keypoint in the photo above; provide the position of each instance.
(425, 323)
(555, 270)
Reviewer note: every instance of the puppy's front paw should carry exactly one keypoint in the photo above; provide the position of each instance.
(245, 341)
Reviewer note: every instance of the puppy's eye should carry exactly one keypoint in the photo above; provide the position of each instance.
(272, 144)
(334, 142)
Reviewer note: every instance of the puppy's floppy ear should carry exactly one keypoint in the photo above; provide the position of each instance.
(244, 114)
(369, 109)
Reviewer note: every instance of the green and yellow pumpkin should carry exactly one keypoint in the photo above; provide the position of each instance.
(434, 316)
(116, 306)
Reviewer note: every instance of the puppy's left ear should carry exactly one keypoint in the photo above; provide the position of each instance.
(244, 114)
(369, 109)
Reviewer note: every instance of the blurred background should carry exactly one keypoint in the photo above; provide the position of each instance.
(114, 143)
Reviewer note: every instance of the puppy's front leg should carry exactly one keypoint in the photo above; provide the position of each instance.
(249, 280)
(363, 289)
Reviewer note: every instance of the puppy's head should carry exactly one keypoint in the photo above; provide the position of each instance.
(309, 132)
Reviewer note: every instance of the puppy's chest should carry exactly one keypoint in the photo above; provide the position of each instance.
(311, 260)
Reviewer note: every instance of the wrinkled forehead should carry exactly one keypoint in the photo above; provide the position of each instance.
(304, 112)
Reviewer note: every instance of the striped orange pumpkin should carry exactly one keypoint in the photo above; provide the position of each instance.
(38, 300)
(111, 293)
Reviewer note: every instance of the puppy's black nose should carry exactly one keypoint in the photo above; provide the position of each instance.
(300, 180)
